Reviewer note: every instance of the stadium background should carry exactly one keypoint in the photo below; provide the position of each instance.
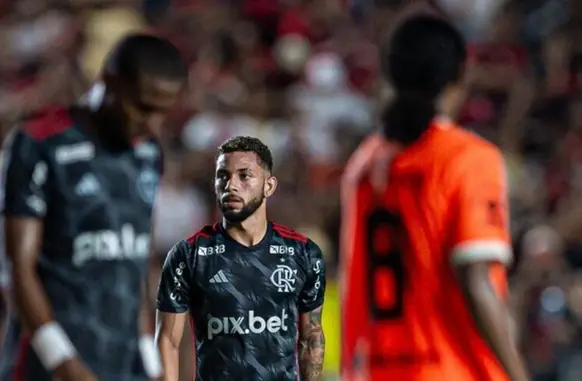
(302, 76)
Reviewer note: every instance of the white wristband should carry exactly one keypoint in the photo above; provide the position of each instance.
(52, 345)
(150, 356)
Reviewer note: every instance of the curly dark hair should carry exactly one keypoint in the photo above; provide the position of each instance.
(249, 144)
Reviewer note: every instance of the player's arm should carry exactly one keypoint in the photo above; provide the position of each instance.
(147, 347)
(26, 195)
(173, 303)
(311, 338)
(482, 249)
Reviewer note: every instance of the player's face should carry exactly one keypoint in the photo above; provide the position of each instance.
(141, 108)
(241, 185)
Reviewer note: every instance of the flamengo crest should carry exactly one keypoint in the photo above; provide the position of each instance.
(284, 278)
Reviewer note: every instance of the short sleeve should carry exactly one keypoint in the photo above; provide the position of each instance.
(313, 292)
(480, 213)
(174, 287)
(25, 178)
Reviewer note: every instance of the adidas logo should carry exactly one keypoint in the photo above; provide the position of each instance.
(219, 277)
(88, 185)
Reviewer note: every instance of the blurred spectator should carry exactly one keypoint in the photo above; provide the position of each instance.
(562, 53)
(543, 297)
(330, 112)
(184, 210)
(36, 40)
(498, 87)
(103, 28)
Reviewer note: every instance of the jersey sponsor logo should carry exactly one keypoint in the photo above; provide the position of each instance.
(108, 245)
(284, 278)
(246, 325)
(88, 185)
(76, 152)
(317, 285)
(147, 185)
(205, 251)
(281, 250)
(178, 271)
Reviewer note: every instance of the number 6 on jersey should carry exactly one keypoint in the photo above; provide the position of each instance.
(385, 266)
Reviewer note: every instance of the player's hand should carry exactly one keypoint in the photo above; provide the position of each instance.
(74, 370)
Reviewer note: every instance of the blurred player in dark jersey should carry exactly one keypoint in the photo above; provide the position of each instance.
(425, 237)
(80, 183)
(253, 289)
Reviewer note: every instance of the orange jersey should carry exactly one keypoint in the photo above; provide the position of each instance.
(409, 216)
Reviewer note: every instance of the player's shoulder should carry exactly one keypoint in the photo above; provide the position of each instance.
(465, 156)
(47, 124)
(285, 238)
(288, 234)
(204, 235)
(457, 147)
(45, 134)
(195, 244)
(361, 159)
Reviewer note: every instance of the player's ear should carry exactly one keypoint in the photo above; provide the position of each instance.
(270, 186)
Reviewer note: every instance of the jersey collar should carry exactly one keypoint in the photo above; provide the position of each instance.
(414, 155)
(237, 246)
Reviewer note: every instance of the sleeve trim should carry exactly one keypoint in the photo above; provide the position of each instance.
(482, 251)
(171, 310)
(310, 307)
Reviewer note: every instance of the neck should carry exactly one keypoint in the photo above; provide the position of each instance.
(94, 103)
(110, 131)
(443, 119)
(450, 102)
(248, 232)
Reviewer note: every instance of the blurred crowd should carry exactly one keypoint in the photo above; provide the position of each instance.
(302, 76)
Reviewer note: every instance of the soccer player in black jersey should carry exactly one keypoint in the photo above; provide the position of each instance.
(79, 188)
(253, 289)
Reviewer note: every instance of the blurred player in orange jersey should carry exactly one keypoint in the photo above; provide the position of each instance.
(425, 239)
